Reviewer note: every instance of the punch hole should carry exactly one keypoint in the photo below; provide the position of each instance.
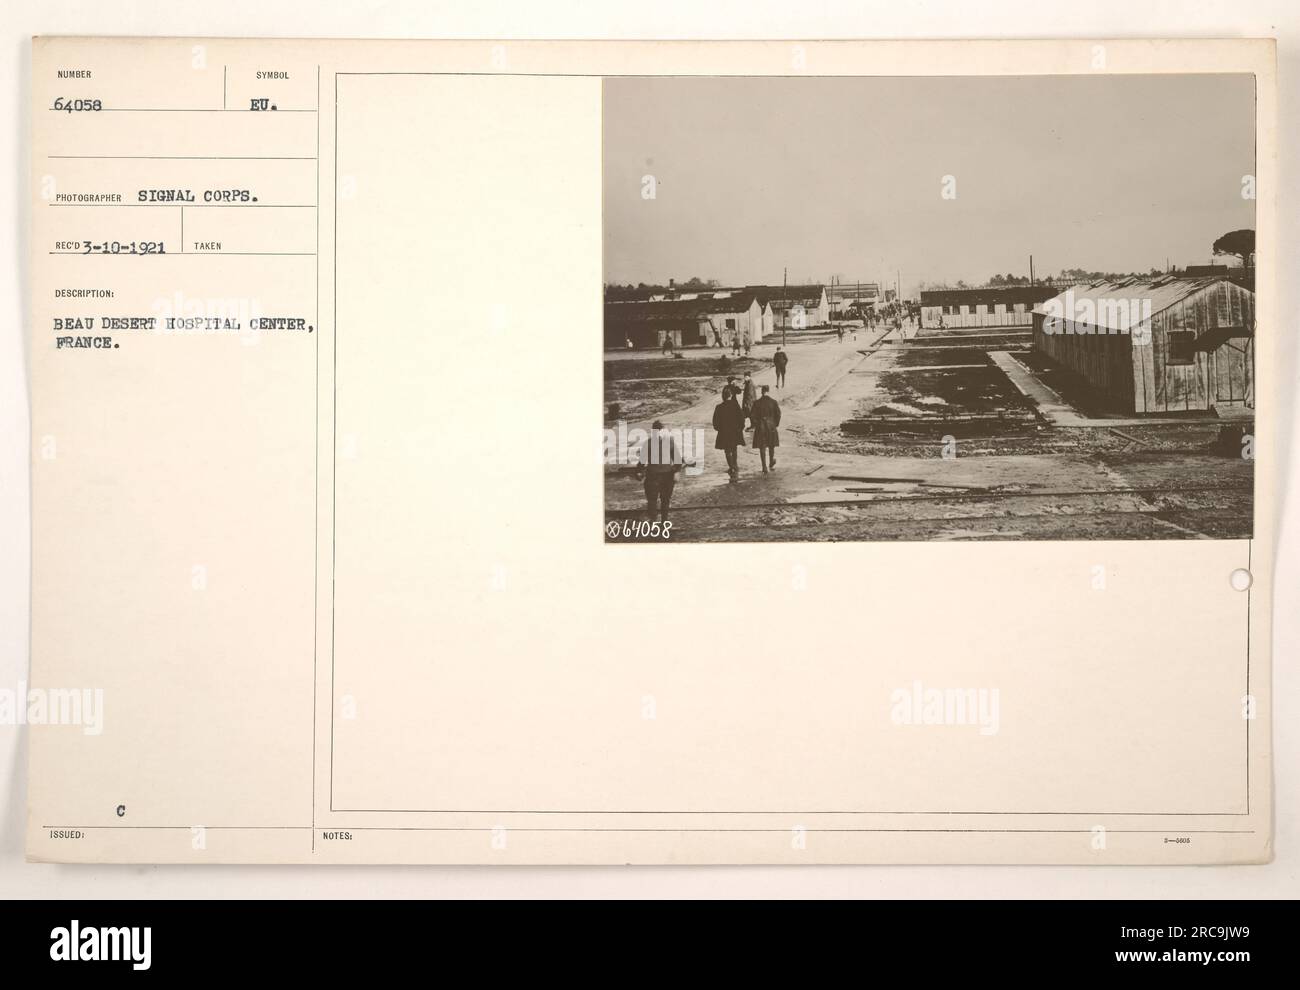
(1240, 579)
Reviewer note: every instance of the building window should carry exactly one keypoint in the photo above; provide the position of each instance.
(1182, 347)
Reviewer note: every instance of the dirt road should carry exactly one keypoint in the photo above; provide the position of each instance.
(1037, 481)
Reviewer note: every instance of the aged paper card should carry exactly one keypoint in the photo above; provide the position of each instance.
(822, 452)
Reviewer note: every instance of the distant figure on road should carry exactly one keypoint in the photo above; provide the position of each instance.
(629, 343)
(668, 345)
(735, 342)
(748, 344)
(729, 421)
(747, 395)
(767, 417)
(779, 360)
(658, 460)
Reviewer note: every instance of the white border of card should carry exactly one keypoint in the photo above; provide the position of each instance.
(319, 566)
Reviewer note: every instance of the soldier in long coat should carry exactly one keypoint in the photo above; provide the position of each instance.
(747, 395)
(729, 421)
(766, 417)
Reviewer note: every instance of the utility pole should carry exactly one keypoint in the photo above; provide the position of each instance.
(1031, 269)
(785, 302)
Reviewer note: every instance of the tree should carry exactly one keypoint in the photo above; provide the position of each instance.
(1238, 242)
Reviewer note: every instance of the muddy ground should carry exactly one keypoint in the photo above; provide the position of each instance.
(647, 387)
(1012, 473)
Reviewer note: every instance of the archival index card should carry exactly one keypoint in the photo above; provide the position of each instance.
(558, 452)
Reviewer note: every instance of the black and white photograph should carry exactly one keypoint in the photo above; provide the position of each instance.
(951, 337)
(929, 308)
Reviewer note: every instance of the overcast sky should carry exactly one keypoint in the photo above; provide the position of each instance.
(843, 176)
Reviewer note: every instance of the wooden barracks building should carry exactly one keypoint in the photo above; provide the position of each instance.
(1001, 306)
(713, 316)
(1163, 345)
(695, 320)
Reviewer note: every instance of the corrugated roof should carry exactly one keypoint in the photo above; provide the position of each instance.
(676, 309)
(989, 294)
(1112, 303)
(794, 293)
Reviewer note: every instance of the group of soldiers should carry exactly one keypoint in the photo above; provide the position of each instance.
(741, 405)
(744, 406)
